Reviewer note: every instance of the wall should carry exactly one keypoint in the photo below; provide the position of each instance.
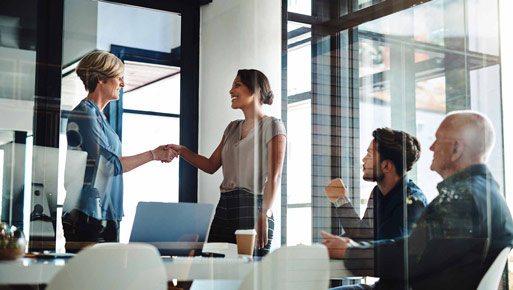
(234, 34)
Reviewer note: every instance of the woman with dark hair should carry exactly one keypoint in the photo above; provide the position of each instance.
(251, 153)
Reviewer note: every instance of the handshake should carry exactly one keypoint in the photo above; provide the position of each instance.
(166, 153)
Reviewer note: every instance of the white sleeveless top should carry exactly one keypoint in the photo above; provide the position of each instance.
(243, 166)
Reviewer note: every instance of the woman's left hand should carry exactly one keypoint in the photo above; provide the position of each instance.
(261, 229)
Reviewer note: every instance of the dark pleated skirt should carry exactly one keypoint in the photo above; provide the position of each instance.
(237, 210)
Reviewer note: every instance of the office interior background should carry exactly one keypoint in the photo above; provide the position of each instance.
(339, 69)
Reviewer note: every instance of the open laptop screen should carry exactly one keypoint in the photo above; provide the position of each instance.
(175, 229)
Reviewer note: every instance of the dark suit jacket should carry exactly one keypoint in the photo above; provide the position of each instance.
(385, 215)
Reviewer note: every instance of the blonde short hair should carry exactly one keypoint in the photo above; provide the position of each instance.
(98, 65)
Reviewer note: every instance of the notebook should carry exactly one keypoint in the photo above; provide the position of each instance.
(176, 229)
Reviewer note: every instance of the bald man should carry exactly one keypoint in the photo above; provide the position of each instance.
(461, 231)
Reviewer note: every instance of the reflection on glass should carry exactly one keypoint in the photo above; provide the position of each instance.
(374, 58)
(429, 22)
(429, 68)
(18, 31)
(398, 24)
(360, 4)
(430, 94)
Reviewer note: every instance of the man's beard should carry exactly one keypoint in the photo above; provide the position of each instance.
(379, 177)
(376, 177)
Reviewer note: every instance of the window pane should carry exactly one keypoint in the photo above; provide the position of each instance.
(483, 30)
(299, 226)
(160, 96)
(299, 59)
(154, 181)
(299, 72)
(300, 6)
(430, 103)
(299, 163)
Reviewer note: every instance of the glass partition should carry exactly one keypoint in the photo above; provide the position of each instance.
(147, 113)
(405, 71)
(352, 81)
(18, 30)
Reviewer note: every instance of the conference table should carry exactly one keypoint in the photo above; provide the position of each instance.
(40, 271)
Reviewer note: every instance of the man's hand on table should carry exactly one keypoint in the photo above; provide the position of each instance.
(336, 245)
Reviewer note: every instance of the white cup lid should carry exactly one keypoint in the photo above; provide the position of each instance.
(246, 232)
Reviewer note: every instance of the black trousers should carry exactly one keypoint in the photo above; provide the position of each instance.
(238, 210)
(80, 229)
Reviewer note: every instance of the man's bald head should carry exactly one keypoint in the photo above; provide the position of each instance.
(463, 139)
(472, 128)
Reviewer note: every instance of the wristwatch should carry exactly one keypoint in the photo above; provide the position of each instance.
(341, 201)
(268, 213)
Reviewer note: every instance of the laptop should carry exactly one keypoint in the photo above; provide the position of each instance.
(176, 229)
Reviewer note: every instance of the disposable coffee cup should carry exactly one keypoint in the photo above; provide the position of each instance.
(245, 241)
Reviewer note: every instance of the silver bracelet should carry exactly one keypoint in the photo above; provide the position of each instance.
(152, 155)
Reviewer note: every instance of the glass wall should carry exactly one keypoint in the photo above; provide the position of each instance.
(339, 70)
(147, 113)
(18, 43)
(403, 70)
(36, 178)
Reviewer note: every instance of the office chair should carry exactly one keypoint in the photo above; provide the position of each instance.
(113, 266)
(295, 267)
(492, 277)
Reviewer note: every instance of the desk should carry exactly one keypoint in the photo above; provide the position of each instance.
(32, 271)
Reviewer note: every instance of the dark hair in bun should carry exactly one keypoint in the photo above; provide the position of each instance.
(397, 146)
(255, 80)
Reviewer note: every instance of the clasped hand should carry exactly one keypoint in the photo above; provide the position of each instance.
(164, 154)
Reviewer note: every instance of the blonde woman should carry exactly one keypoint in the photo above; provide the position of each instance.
(94, 215)
(251, 153)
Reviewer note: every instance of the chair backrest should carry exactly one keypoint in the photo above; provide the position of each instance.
(492, 277)
(113, 266)
(294, 267)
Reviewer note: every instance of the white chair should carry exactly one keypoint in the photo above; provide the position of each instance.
(295, 267)
(113, 266)
(493, 276)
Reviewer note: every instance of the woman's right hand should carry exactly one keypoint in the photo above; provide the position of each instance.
(179, 149)
(209, 165)
(164, 153)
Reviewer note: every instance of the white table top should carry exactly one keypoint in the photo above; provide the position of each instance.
(32, 271)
